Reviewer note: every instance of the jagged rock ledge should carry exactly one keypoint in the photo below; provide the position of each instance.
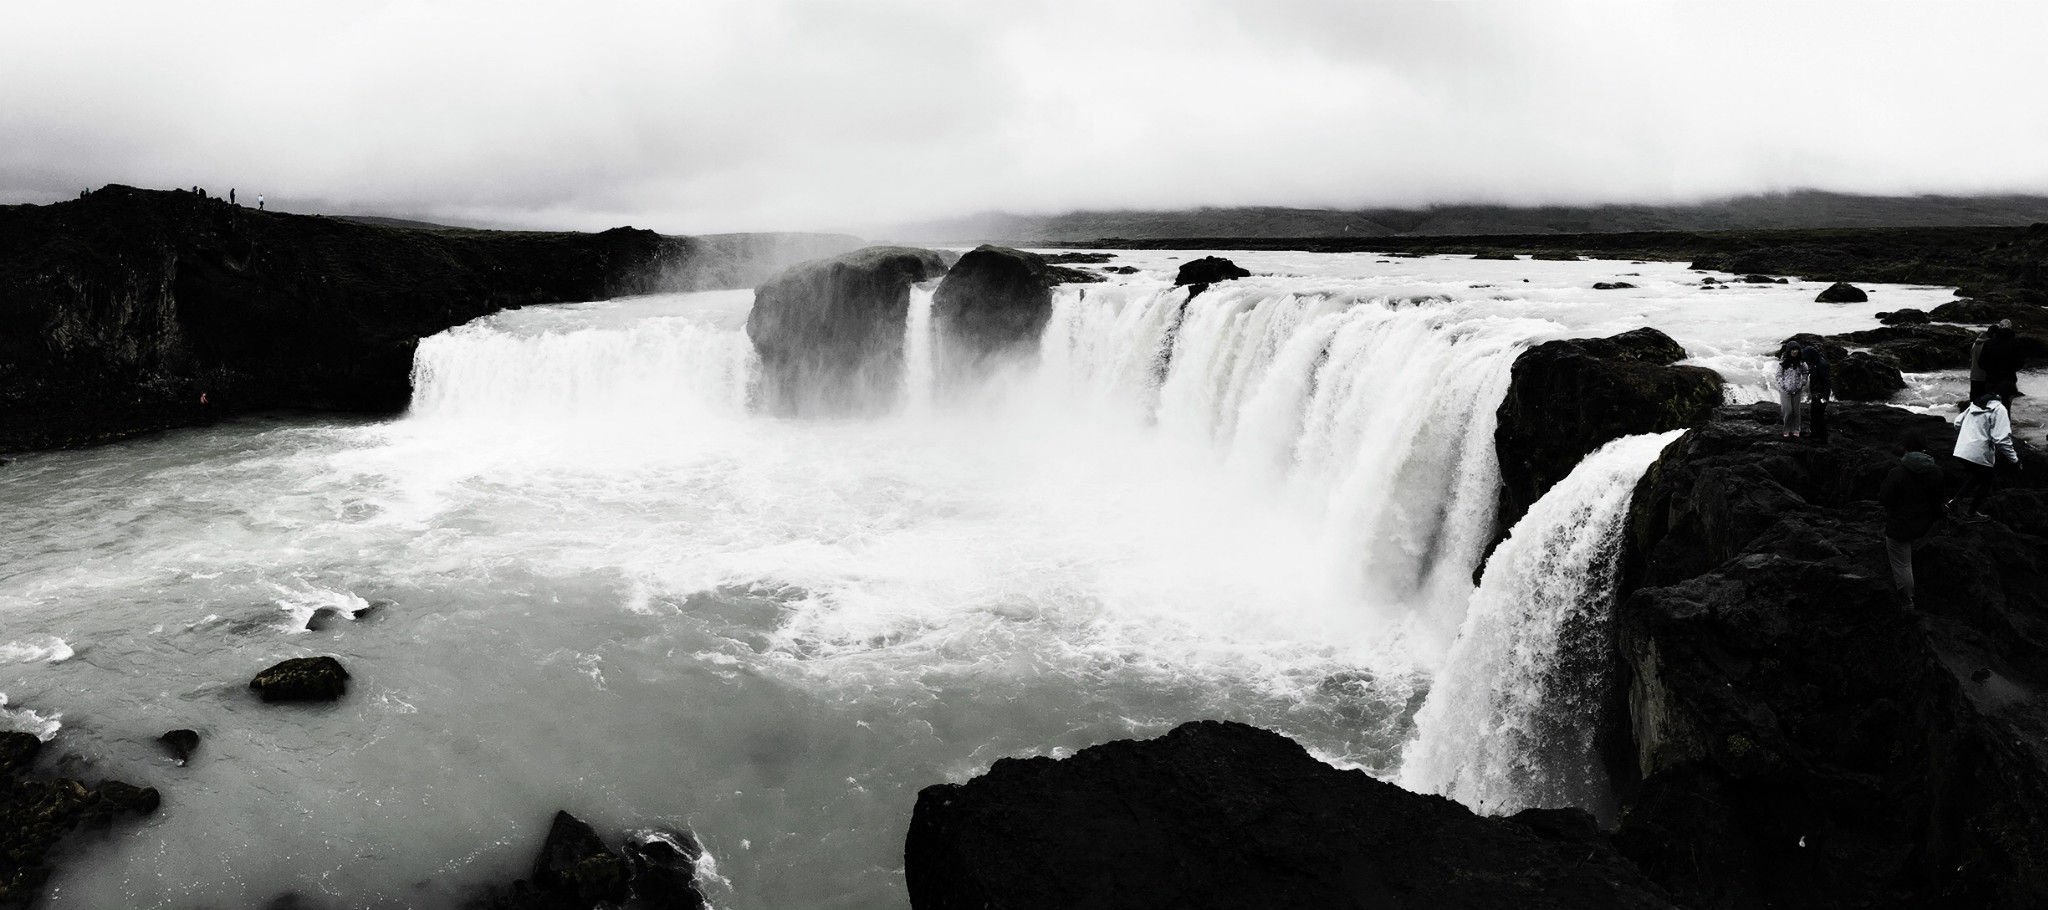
(119, 310)
(38, 813)
(1224, 815)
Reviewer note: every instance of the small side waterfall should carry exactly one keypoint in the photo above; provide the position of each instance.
(1506, 727)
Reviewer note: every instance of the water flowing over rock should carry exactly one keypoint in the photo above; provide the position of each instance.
(119, 310)
(830, 332)
(992, 305)
(1569, 397)
(1224, 815)
(1842, 292)
(1797, 738)
(302, 679)
(576, 870)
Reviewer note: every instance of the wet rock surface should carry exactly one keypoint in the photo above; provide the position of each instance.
(180, 744)
(1223, 815)
(1795, 736)
(1862, 377)
(302, 679)
(1841, 292)
(992, 305)
(830, 331)
(37, 814)
(576, 870)
(1569, 397)
(1198, 274)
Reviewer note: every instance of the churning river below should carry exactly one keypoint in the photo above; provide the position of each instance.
(603, 585)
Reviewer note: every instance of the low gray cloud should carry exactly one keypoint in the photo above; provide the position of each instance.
(768, 114)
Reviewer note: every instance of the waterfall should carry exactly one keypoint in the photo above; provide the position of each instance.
(1375, 415)
(918, 367)
(1508, 724)
(607, 368)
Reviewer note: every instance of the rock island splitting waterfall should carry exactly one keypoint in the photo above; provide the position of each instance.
(1508, 725)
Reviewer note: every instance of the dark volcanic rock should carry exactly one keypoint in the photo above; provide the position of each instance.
(1915, 348)
(1555, 256)
(1223, 815)
(302, 679)
(1842, 292)
(1611, 285)
(992, 305)
(1798, 739)
(575, 870)
(1568, 398)
(1207, 271)
(1861, 377)
(120, 309)
(36, 814)
(1496, 255)
(180, 744)
(830, 331)
(1903, 317)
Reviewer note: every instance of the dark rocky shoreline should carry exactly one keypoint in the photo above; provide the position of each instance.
(120, 310)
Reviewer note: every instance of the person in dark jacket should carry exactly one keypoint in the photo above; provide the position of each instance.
(2001, 362)
(1913, 496)
(1820, 386)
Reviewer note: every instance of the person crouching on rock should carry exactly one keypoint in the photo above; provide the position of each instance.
(1819, 387)
(1983, 439)
(1914, 496)
(1791, 382)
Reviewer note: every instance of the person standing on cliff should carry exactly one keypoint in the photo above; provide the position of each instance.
(231, 195)
(1914, 496)
(1791, 382)
(1983, 439)
(1820, 386)
(259, 202)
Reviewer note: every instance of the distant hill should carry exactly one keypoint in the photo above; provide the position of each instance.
(1794, 210)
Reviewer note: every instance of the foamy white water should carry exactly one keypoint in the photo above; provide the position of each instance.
(605, 586)
(1509, 724)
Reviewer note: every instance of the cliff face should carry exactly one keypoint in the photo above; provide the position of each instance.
(118, 310)
(1794, 735)
(830, 331)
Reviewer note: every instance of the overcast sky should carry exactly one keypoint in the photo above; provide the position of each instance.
(708, 115)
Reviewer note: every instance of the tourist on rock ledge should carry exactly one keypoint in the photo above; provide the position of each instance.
(1914, 496)
(1791, 382)
(1820, 386)
(1983, 439)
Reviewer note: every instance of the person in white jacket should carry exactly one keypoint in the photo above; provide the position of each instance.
(1983, 439)
(1791, 382)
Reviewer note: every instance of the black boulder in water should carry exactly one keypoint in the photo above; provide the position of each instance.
(830, 331)
(1225, 815)
(37, 814)
(302, 679)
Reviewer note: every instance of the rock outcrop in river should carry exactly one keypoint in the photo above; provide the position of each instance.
(37, 813)
(1796, 737)
(830, 331)
(993, 306)
(120, 310)
(1569, 397)
(1223, 815)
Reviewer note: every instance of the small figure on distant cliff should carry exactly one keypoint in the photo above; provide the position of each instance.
(259, 202)
(1791, 382)
(231, 195)
(1913, 496)
(1820, 386)
(2001, 361)
(1983, 439)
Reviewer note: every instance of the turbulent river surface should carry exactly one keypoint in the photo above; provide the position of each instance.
(602, 585)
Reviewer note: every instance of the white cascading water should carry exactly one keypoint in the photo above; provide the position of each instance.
(1503, 728)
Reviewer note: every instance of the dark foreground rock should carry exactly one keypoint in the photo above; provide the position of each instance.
(1798, 738)
(1223, 815)
(830, 331)
(1914, 348)
(37, 814)
(992, 306)
(1198, 274)
(1570, 397)
(302, 679)
(1862, 377)
(1841, 292)
(576, 870)
(120, 310)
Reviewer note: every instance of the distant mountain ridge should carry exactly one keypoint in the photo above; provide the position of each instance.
(1800, 209)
